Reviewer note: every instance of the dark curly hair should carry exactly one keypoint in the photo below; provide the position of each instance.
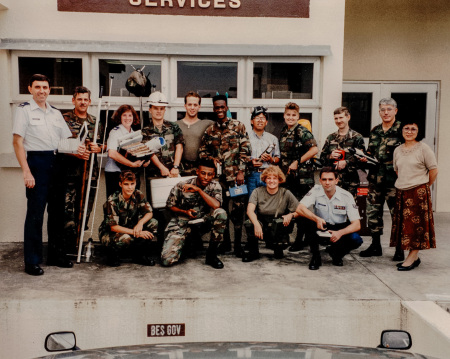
(117, 116)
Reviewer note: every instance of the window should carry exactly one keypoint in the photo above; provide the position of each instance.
(207, 78)
(122, 69)
(64, 73)
(280, 80)
(360, 106)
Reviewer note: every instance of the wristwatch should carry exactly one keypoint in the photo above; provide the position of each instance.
(175, 166)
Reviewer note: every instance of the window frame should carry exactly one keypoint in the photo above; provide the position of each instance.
(54, 99)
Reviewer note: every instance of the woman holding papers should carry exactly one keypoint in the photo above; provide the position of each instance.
(125, 116)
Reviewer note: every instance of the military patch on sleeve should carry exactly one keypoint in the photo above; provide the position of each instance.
(24, 104)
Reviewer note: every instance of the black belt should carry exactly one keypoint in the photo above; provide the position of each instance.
(41, 153)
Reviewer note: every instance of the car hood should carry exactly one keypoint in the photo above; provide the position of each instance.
(238, 350)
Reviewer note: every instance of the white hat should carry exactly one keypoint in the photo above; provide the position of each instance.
(158, 99)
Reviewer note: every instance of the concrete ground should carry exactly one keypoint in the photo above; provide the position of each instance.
(285, 283)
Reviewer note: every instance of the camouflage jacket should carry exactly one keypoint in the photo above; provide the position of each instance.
(294, 143)
(118, 211)
(335, 141)
(229, 142)
(173, 136)
(193, 200)
(75, 165)
(381, 146)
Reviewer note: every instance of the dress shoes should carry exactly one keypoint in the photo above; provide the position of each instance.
(399, 255)
(250, 257)
(372, 251)
(60, 262)
(315, 263)
(33, 269)
(415, 264)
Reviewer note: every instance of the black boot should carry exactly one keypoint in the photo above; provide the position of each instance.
(253, 253)
(316, 261)
(238, 251)
(374, 249)
(112, 256)
(211, 256)
(278, 251)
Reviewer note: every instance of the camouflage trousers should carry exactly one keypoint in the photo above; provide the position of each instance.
(178, 230)
(122, 241)
(378, 194)
(72, 208)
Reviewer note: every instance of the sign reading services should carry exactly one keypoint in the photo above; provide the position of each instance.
(166, 330)
(239, 8)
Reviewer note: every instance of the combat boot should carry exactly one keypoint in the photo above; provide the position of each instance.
(374, 249)
(211, 256)
(253, 246)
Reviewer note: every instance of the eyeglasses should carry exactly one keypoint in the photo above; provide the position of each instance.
(410, 129)
(388, 109)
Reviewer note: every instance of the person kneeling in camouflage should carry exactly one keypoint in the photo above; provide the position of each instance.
(195, 204)
(128, 224)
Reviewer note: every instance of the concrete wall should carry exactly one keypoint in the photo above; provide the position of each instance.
(110, 322)
(345, 322)
(41, 21)
(404, 40)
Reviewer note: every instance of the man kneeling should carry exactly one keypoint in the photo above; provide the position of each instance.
(128, 224)
(336, 216)
(193, 202)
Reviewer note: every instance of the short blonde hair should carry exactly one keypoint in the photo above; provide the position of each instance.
(273, 170)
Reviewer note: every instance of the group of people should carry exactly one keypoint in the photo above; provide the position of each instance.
(237, 172)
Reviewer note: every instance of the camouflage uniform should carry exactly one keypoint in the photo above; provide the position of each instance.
(294, 143)
(173, 136)
(73, 176)
(348, 177)
(178, 228)
(229, 142)
(118, 211)
(382, 178)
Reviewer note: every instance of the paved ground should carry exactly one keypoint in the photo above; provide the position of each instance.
(359, 278)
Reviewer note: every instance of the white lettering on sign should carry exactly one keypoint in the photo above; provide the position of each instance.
(204, 4)
(165, 330)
